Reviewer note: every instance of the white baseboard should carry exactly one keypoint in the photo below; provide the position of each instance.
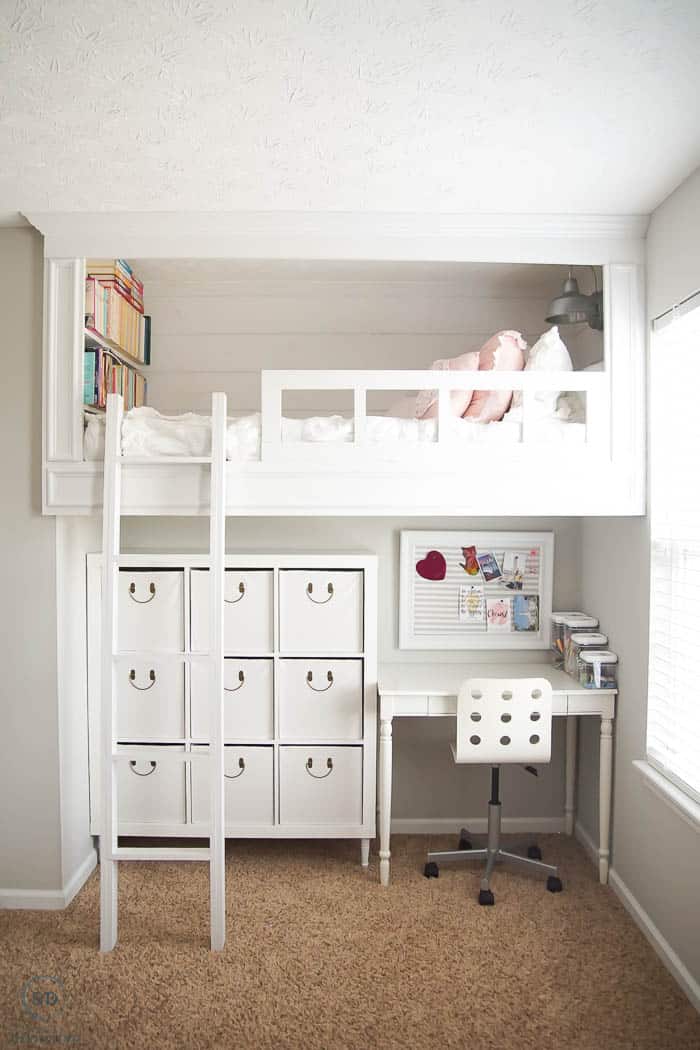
(582, 836)
(663, 949)
(50, 900)
(478, 825)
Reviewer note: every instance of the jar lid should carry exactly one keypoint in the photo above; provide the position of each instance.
(589, 638)
(562, 617)
(598, 656)
(581, 620)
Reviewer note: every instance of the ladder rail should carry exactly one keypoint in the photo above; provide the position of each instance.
(110, 852)
(217, 556)
(111, 522)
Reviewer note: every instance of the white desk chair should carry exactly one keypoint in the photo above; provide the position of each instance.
(501, 720)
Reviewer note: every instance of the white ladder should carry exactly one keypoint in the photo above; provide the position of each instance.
(110, 852)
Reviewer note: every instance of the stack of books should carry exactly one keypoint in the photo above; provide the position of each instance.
(117, 272)
(103, 374)
(117, 334)
(114, 308)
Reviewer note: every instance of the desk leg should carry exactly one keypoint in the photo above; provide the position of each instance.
(385, 747)
(606, 757)
(569, 804)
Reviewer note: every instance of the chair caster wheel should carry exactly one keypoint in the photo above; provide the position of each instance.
(431, 870)
(486, 897)
(554, 885)
(534, 853)
(464, 844)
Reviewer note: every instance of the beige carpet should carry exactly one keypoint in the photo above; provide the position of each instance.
(320, 956)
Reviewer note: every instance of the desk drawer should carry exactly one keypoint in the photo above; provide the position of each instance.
(151, 610)
(320, 699)
(248, 788)
(248, 700)
(321, 612)
(151, 794)
(248, 622)
(150, 700)
(320, 785)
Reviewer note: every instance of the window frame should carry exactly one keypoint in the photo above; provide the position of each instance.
(661, 778)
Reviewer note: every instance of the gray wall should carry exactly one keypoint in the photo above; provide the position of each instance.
(656, 853)
(426, 782)
(30, 827)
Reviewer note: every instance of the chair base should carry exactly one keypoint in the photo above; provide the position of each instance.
(492, 853)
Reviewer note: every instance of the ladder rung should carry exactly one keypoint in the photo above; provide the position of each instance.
(161, 461)
(155, 754)
(161, 656)
(200, 853)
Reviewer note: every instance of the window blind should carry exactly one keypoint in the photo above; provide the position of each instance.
(673, 716)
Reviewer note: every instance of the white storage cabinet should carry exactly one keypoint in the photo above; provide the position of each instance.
(300, 676)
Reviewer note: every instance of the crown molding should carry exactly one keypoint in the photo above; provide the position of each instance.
(346, 235)
(13, 220)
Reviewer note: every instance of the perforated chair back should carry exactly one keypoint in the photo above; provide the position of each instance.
(501, 720)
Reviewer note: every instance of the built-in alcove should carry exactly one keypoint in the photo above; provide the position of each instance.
(293, 339)
(216, 323)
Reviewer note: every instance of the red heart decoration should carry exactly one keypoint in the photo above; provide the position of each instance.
(432, 567)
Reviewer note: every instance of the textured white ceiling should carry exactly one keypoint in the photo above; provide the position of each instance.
(360, 105)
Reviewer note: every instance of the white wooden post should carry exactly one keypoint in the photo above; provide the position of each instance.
(111, 511)
(385, 762)
(606, 758)
(359, 414)
(569, 804)
(444, 420)
(217, 550)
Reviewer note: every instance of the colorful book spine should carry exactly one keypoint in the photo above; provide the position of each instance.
(104, 374)
(119, 271)
(113, 316)
(146, 339)
(90, 377)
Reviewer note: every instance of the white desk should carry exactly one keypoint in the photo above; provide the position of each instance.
(429, 690)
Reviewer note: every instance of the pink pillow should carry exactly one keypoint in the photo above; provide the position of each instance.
(427, 402)
(502, 353)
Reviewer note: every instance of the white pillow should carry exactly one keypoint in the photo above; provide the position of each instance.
(549, 354)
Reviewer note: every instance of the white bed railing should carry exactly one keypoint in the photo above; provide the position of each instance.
(449, 442)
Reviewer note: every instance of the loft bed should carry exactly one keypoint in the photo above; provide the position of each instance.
(363, 462)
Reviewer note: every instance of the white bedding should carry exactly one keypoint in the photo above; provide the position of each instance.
(145, 432)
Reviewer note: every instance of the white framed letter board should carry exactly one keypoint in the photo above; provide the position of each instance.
(475, 590)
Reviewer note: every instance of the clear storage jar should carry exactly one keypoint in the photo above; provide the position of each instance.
(574, 624)
(579, 641)
(597, 669)
(557, 645)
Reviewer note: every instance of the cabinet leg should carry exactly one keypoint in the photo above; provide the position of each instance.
(385, 757)
(569, 804)
(606, 757)
(364, 852)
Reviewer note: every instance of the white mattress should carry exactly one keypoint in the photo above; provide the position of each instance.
(145, 432)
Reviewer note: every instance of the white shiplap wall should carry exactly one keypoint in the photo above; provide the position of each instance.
(217, 323)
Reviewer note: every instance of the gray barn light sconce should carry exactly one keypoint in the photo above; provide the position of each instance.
(573, 307)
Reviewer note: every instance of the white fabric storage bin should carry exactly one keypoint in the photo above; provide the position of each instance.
(248, 787)
(248, 617)
(321, 611)
(151, 610)
(149, 794)
(248, 699)
(150, 699)
(320, 785)
(320, 699)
